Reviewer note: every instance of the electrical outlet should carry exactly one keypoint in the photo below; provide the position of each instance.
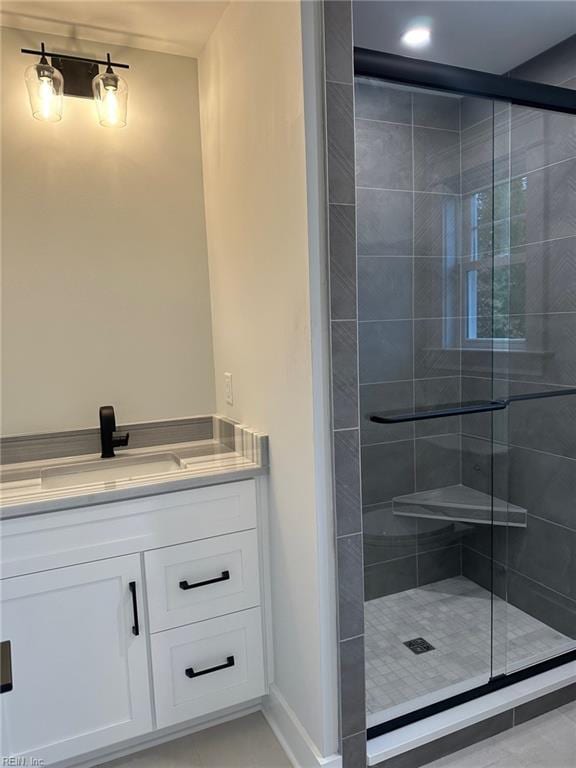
(228, 388)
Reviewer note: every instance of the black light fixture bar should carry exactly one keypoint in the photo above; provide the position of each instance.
(472, 406)
(469, 82)
(68, 57)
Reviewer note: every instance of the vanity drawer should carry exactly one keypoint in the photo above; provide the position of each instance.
(45, 541)
(202, 579)
(208, 666)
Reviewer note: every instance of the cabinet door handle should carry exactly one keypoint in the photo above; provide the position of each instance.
(136, 625)
(5, 666)
(186, 585)
(229, 663)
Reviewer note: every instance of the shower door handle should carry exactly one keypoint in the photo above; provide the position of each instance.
(396, 417)
(466, 408)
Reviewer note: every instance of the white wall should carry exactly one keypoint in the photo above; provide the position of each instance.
(253, 137)
(104, 275)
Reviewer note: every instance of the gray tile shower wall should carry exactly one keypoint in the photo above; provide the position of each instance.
(399, 234)
(398, 338)
(402, 553)
(536, 465)
(408, 197)
(342, 215)
(412, 338)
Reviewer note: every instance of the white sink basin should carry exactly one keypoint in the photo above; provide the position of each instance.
(110, 470)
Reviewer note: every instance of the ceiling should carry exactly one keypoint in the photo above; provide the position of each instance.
(489, 35)
(167, 26)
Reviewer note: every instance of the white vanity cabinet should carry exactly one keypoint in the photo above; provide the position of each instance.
(79, 671)
(123, 619)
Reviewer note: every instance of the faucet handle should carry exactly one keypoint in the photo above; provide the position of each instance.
(120, 439)
(107, 417)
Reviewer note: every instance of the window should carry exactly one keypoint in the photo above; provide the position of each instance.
(495, 286)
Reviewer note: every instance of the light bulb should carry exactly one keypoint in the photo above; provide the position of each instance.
(110, 105)
(45, 89)
(46, 96)
(111, 98)
(417, 37)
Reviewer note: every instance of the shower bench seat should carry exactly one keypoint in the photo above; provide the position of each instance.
(460, 503)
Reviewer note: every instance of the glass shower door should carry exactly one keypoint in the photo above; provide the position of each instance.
(427, 165)
(466, 227)
(519, 334)
(535, 563)
(487, 334)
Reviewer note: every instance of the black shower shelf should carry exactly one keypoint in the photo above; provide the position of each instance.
(471, 406)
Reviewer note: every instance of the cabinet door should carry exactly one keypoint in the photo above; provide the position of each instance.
(79, 671)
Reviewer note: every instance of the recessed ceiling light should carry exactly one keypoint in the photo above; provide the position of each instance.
(416, 37)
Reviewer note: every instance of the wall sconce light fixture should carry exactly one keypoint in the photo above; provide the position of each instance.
(68, 75)
(45, 88)
(111, 97)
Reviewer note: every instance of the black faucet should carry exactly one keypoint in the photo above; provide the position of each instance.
(108, 436)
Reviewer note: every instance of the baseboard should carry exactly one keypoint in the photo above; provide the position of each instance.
(287, 728)
(291, 734)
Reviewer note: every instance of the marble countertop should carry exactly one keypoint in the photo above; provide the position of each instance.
(201, 463)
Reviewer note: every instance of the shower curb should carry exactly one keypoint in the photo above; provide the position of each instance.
(467, 724)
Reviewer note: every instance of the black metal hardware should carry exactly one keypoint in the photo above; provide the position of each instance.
(110, 79)
(541, 395)
(136, 625)
(109, 438)
(186, 585)
(419, 645)
(444, 77)
(229, 663)
(69, 57)
(472, 406)
(78, 76)
(6, 683)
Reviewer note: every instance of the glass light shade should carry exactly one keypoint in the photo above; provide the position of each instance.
(111, 97)
(46, 91)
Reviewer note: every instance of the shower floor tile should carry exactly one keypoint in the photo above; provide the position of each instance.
(454, 616)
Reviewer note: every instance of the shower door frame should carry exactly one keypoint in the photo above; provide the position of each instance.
(467, 82)
(443, 77)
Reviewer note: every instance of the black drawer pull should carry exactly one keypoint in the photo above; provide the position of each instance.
(5, 666)
(229, 663)
(186, 585)
(136, 625)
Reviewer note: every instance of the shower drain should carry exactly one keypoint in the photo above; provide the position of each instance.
(419, 645)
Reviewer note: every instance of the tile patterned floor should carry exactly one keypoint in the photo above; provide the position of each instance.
(453, 615)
